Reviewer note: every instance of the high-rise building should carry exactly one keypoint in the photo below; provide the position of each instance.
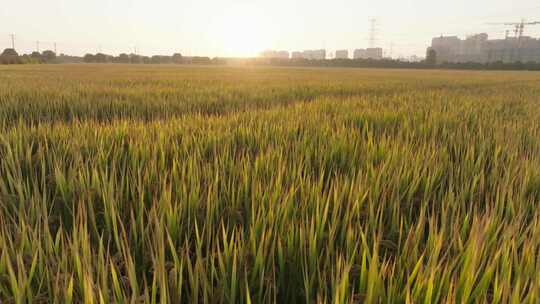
(478, 48)
(359, 54)
(374, 53)
(314, 54)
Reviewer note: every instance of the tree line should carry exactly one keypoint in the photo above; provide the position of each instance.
(398, 64)
(124, 58)
(176, 58)
(10, 56)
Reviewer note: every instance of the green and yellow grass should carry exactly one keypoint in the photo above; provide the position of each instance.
(235, 185)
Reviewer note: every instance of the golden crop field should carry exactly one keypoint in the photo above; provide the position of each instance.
(167, 184)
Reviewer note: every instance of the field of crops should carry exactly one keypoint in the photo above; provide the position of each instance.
(164, 184)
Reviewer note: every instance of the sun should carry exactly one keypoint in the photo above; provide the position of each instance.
(241, 31)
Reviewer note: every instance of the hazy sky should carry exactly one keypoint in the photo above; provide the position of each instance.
(243, 28)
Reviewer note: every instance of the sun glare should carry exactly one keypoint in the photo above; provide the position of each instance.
(241, 31)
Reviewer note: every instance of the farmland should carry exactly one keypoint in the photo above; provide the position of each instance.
(165, 184)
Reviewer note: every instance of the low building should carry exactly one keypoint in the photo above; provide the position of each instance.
(342, 54)
(370, 53)
(275, 54)
(297, 55)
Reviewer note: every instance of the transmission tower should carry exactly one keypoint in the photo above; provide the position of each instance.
(372, 32)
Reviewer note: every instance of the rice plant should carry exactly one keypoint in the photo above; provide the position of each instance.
(128, 184)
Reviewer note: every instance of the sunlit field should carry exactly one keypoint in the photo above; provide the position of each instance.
(164, 184)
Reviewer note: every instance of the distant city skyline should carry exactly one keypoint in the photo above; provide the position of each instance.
(243, 28)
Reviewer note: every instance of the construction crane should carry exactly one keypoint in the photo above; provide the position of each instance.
(519, 27)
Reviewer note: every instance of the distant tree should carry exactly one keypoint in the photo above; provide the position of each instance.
(157, 59)
(177, 58)
(36, 57)
(123, 58)
(102, 58)
(431, 57)
(9, 52)
(134, 58)
(200, 60)
(63, 58)
(89, 58)
(9, 56)
(48, 56)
